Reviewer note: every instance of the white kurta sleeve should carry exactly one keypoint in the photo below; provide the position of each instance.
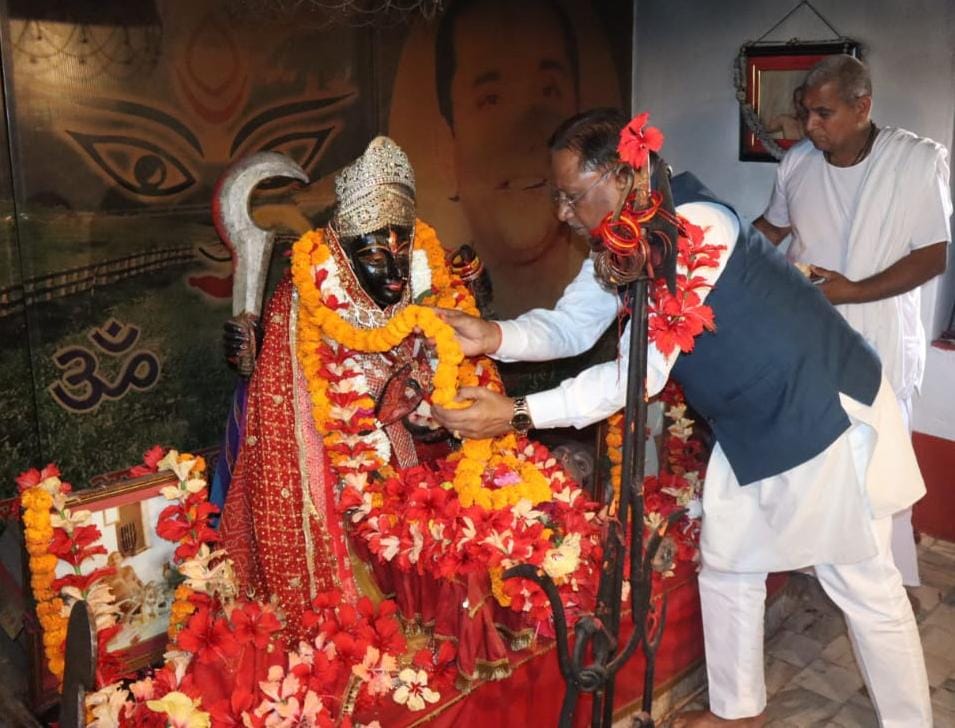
(932, 203)
(601, 390)
(777, 211)
(575, 323)
(597, 392)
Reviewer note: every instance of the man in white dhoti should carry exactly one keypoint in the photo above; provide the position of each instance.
(868, 209)
(810, 443)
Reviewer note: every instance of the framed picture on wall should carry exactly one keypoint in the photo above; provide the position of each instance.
(770, 115)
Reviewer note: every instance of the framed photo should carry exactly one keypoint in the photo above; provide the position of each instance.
(770, 119)
(126, 513)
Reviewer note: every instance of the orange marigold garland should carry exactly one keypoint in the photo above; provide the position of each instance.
(36, 497)
(55, 532)
(342, 408)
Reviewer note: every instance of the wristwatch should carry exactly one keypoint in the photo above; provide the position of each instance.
(521, 420)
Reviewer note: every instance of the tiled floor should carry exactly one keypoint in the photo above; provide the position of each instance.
(811, 676)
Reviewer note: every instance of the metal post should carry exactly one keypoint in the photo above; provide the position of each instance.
(601, 631)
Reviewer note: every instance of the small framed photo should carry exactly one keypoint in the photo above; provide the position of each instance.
(772, 107)
(126, 513)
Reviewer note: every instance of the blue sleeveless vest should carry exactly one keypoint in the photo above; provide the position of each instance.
(768, 379)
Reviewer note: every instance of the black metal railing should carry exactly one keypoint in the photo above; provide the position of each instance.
(598, 655)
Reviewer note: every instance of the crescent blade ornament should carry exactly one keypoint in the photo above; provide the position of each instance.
(250, 245)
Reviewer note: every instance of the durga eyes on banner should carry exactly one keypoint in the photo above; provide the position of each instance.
(122, 115)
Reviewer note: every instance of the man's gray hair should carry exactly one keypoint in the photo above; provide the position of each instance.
(849, 75)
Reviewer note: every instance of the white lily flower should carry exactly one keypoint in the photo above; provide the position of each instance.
(106, 704)
(413, 691)
(562, 561)
(390, 546)
(68, 519)
(173, 492)
(417, 543)
(195, 485)
(180, 663)
(169, 460)
(51, 485)
(676, 412)
(524, 511)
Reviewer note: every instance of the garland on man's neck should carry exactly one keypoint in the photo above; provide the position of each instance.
(674, 318)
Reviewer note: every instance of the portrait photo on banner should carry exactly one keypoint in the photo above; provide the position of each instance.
(477, 94)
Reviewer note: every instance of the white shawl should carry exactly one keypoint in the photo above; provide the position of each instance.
(903, 171)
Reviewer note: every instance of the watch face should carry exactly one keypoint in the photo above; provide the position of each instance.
(521, 422)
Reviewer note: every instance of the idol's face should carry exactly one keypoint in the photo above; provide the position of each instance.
(382, 263)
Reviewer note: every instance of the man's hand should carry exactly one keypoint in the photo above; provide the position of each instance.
(488, 416)
(835, 286)
(905, 274)
(773, 234)
(475, 335)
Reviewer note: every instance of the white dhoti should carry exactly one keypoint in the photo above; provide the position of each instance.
(834, 513)
(904, 551)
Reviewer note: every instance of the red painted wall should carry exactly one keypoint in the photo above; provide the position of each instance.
(934, 515)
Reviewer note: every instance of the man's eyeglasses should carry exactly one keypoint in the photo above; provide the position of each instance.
(561, 198)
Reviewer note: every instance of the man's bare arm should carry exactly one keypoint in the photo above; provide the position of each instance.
(913, 270)
(773, 234)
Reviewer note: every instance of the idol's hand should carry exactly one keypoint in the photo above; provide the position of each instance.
(242, 340)
(834, 286)
(488, 416)
(475, 335)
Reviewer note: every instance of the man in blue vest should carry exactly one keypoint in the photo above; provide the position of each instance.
(810, 447)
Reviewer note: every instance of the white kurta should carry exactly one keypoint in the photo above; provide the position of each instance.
(827, 501)
(860, 220)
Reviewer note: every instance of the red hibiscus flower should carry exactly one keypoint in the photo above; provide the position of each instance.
(227, 713)
(76, 549)
(253, 624)
(636, 143)
(151, 460)
(33, 477)
(209, 639)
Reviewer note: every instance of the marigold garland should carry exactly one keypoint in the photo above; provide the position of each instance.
(317, 319)
(54, 532)
(341, 406)
(37, 503)
(477, 456)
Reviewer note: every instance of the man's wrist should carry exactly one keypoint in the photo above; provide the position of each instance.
(521, 421)
(494, 337)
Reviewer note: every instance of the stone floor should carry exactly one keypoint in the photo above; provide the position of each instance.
(811, 675)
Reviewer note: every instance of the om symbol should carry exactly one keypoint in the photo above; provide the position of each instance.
(82, 388)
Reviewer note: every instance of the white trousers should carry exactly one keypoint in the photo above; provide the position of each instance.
(903, 535)
(882, 629)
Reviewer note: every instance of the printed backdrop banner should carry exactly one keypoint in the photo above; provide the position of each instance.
(114, 285)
